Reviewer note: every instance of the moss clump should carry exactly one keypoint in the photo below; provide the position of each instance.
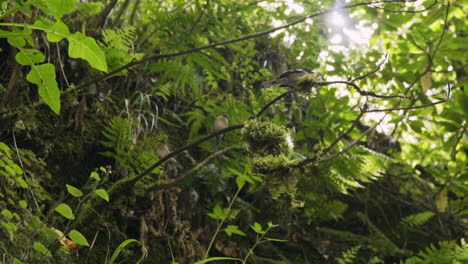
(278, 173)
(266, 138)
(271, 156)
(282, 184)
(272, 163)
(306, 84)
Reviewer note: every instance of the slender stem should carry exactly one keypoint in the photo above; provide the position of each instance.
(218, 228)
(258, 242)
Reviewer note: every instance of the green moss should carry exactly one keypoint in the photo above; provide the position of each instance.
(272, 163)
(271, 156)
(279, 184)
(305, 86)
(265, 138)
(278, 173)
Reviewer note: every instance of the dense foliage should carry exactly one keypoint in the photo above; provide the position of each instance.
(107, 142)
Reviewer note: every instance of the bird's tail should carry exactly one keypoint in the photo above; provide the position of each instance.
(219, 138)
(268, 84)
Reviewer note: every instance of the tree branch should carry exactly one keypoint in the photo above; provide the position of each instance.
(264, 108)
(338, 139)
(222, 43)
(413, 107)
(188, 175)
(408, 11)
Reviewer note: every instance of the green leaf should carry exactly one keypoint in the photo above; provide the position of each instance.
(121, 247)
(218, 212)
(44, 77)
(29, 57)
(22, 183)
(74, 191)
(39, 247)
(60, 7)
(416, 125)
(257, 228)
(23, 204)
(17, 169)
(17, 261)
(4, 147)
(240, 182)
(59, 31)
(103, 194)
(95, 176)
(65, 211)
(7, 213)
(233, 229)
(215, 258)
(78, 238)
(18, 37)
(81, 46)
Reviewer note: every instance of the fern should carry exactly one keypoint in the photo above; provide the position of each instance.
(118, 46)
(448, 252)
(360, 166)
(349, 255)
(118, 134)
(418, 219)
(124, 148)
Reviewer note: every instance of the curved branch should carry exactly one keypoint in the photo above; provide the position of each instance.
(124, 183)
(222, 43)
(360, 91)
(407, 11)
(413, 107)
(327, 149)
(264, 108)
(188, 175)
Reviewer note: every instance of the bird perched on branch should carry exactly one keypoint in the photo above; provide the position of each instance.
(221, 122)
(301, 80)
(163, 149)
(288, 79)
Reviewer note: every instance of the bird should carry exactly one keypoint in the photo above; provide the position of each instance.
(163, 149)
(288, 79)
(221, 122)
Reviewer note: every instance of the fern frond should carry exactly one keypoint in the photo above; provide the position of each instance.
(118, 46)
(447, 252)
(418, 219)
(349, 255)
(360, 165)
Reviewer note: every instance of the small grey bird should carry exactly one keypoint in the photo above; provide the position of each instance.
(221, 122)
(288, 79)
(162, 149)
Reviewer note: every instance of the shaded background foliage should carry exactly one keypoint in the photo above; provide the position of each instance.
(389, 188)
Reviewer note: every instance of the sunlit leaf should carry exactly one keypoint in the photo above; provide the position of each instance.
(65, 211)
(78, 238)
(74, 191)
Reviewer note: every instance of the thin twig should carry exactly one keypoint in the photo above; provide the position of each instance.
(130, 181)
(351, 144)
(222, 43)
(407, 11)
(358, 89)
(413, 107)
(338, 139)
(264, 108)
(374, 71)
(163, 186)
(197, 21)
